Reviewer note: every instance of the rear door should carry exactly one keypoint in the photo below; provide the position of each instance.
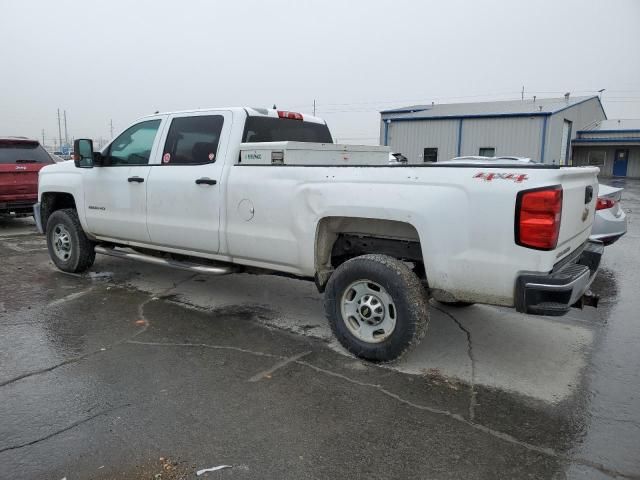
(185, 191)
(20, 162)
(115, 195)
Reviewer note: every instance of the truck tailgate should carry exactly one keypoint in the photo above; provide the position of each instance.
(579, 196)
(18, 180)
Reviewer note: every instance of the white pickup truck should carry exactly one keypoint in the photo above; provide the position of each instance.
(263, 191)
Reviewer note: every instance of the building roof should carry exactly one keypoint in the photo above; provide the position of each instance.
(610, 132)
(515, 108)
(614, 125)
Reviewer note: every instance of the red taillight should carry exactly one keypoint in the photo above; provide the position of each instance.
(538, 215)
(604, 203)
(290, 115)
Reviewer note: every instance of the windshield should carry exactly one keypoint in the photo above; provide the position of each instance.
(19, 152)
(269, 129)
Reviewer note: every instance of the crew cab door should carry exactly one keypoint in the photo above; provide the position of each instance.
(185, 191)
(115, 193)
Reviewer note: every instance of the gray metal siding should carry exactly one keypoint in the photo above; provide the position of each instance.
(520, 136)
(633, 167)
(411, 138)
(582, 116)
(581, 157)
(509, 136)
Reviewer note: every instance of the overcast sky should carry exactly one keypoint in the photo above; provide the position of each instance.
(115, 59)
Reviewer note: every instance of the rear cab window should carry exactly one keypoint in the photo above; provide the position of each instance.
(271, 129)
(23, 151)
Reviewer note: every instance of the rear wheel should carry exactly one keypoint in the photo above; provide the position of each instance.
(376, 307)
(68, 246)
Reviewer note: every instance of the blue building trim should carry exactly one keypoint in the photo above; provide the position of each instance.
(456, 117)
(632, 130)
(386, 132)
(459, 137)
(607, 140)
(544, 138)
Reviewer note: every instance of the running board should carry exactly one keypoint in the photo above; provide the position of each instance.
(189, 266)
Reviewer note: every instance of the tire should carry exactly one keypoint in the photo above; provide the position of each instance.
(384, 304)
(68, 246)
(456, 304)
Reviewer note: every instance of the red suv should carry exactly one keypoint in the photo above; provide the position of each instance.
(20, 161)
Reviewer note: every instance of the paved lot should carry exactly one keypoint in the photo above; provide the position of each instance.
(103, 374)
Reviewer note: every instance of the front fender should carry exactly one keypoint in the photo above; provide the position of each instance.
(62, 178)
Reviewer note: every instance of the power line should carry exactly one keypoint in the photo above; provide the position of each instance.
(59, 130)
(66, 133)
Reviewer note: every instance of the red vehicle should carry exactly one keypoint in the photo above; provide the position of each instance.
(20, 161)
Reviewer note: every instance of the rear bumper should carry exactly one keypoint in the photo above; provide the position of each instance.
(37, 217)
(17, 206)
(556, 292)
(607, 227)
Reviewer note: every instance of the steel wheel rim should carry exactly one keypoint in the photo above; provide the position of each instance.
(61, 242)
(368, 311)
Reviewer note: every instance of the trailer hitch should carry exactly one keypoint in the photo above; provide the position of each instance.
(589, 299)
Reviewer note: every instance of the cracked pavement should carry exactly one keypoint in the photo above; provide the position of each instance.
(103, 374)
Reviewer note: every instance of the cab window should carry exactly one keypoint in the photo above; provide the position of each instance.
(193, 140)
(133, 146)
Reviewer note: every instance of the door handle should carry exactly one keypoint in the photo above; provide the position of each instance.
(206, 181)
(135, 179)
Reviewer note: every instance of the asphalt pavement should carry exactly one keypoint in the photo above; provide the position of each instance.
(135, 371)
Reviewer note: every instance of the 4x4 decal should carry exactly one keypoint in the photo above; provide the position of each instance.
(516, 177)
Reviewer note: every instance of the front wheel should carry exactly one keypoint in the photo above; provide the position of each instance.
(376, 307)
(68, 246)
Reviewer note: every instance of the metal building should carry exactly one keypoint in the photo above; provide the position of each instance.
(612, 145)
(540, 129)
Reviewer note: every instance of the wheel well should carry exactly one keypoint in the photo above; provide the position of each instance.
(52, 201)
(339, 239)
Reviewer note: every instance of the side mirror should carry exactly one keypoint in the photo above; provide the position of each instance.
(83, 153)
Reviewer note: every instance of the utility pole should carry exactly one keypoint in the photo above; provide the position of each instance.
(66, 134)
(314, 107)
(522, 95)
(111, 123)
(59, 130)
(43, 137)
